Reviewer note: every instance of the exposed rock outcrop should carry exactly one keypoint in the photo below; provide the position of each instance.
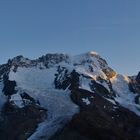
(19, 124)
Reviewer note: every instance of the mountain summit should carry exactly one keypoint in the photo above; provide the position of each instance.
(80, 97)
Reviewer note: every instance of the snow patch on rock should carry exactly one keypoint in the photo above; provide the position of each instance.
(86, 101)
(17, 100)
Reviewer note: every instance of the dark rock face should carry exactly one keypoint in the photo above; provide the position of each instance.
(9, 86)
(101, 90)
(27, 97)
(20, 123)
(137, 99)
(51, 59)
(100, 120)
(134, 85)
(138, 78)
(65, 80)
(62, 78)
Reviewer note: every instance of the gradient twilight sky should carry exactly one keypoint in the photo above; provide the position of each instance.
(36, 27)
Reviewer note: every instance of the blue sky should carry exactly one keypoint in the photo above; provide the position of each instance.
(36, 27)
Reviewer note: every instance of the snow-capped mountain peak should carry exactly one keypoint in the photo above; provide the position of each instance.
(55, 82)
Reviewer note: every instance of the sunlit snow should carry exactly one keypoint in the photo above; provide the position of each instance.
(124, 96)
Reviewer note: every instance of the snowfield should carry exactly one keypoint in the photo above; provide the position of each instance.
(124, 96)
(60, 111)
(33, 78)
(39, 85)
